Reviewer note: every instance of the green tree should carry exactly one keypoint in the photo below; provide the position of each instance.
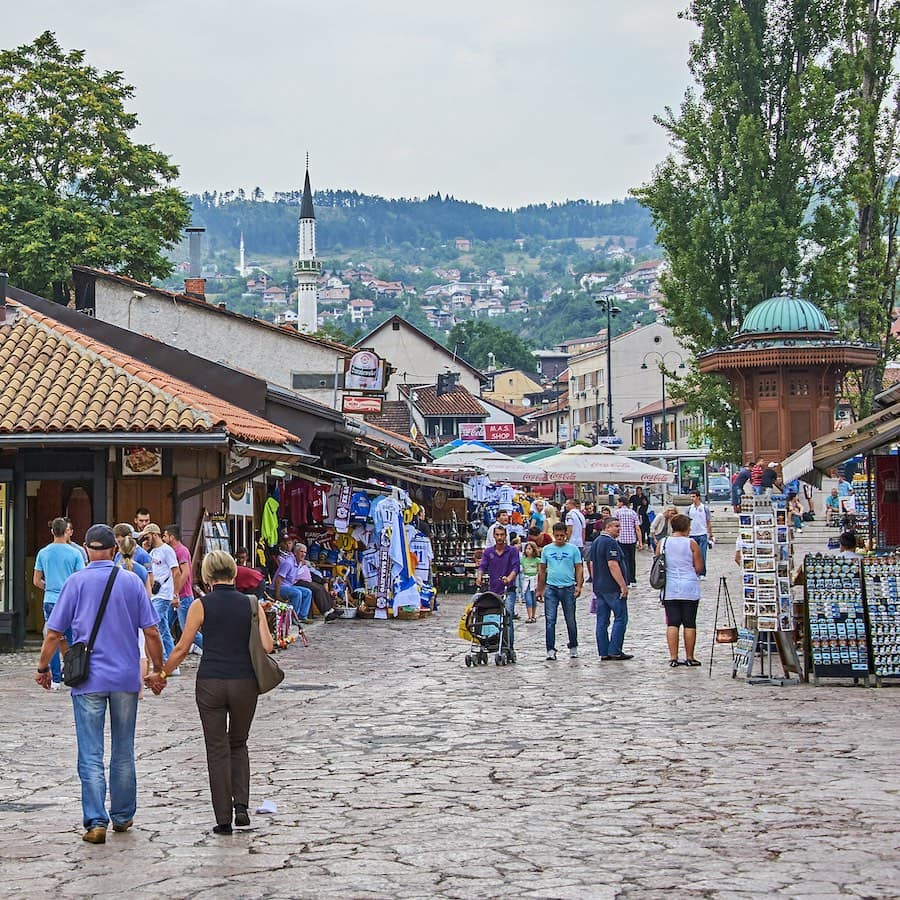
(74, 186)
(751, 146)
(474, 339)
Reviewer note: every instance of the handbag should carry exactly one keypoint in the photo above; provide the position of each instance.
(658, 570)
(268, 673)
(76, 662)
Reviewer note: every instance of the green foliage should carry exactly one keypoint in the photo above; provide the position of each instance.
(473, 340)
(74, 186)
(751, 146)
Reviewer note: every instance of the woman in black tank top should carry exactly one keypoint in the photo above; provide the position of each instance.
(226, 683)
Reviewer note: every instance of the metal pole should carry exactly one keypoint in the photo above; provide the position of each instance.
(556, 385)
(597, 412)
(609, 409)
(665, 433)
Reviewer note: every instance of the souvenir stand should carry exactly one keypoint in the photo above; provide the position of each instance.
(853, 610)
(366, 540)
(769, 614)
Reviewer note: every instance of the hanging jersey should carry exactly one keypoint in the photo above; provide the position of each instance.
(505, 498)
(359, 506)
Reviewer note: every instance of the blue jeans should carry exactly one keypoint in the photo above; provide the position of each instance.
(509, 602)
(609, 643)
(553, 597)
(184, 604)
(56, 661)
(299, 597)
(90, 719)
(703, 543)
(162, 608)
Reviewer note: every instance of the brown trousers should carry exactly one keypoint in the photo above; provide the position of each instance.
(226, 707)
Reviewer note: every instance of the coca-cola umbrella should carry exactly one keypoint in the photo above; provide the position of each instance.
(598, 463)
(497, 466)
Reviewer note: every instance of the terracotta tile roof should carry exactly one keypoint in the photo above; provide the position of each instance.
(459, 402)
(54, 379)
(394, 417)
(650, 409)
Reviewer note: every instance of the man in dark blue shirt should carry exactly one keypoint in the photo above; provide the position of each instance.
(610, 579)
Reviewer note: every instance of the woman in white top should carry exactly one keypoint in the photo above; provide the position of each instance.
(684, 563)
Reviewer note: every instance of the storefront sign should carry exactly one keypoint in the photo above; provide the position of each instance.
(364, 371)
(142, 461)
(351, 403)
(480, 431)
(648, 429)
(690, 475)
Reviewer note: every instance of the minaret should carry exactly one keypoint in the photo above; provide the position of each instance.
(242, 269)
(308, 267)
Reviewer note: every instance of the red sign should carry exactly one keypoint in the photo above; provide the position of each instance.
(361, 405)
(479, 431)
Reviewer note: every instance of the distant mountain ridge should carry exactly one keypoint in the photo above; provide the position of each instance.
(349, 219)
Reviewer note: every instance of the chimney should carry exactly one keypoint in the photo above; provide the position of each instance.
(195, 286)
(4, 278)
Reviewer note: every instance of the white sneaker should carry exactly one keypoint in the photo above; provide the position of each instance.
(55, 685)
(197, 651)
(573, 653)
(551, 654)
(175, 672)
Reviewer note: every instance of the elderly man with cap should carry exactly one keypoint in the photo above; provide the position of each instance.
(284, 587)
(113, 678)
(164, 570)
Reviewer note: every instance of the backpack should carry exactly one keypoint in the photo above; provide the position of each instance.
(658, 570)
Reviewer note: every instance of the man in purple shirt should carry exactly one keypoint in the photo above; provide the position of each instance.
(114, 678)
(501, 565)
(285, 588)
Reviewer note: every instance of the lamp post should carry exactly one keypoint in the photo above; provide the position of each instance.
(556, 388)
(611, 310)
(597, 412)
(661, 360)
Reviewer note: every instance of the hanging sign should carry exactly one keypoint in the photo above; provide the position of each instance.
(364, 371)
(493, 432)
(351, 403)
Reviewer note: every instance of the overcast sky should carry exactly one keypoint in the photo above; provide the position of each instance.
(495, 101)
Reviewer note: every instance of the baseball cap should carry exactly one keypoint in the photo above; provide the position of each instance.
(100, 537)
(772, 465)
(150, 529)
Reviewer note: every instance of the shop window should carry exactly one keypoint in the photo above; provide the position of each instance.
(799, 387)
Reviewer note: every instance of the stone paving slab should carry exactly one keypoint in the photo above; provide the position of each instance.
(399, 773)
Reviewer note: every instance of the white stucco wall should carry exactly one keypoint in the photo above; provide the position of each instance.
(631, 385)
(259, 351)
(416, 360)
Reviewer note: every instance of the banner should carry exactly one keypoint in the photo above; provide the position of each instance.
(493, 432)
(364, 371)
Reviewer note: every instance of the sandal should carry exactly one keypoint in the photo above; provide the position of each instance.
(693, 663)
(675, 663)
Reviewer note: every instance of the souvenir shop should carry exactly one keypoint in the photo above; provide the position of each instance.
(370, 541)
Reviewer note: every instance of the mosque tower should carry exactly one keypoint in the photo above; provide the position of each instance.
(242, 269)
(308, 266)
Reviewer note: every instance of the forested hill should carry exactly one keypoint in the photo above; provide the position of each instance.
(349, 219)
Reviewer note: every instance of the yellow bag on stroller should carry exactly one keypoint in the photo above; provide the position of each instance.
(463, 630)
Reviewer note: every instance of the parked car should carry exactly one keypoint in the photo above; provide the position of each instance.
(719, 488)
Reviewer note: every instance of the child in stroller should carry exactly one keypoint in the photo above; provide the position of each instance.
(488, 622)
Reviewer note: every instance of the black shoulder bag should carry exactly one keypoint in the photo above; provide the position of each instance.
(77, 659)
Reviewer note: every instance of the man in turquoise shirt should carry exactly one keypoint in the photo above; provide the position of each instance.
(53, 565)
(560, 576)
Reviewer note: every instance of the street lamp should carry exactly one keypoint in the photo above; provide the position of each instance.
(611, 310)
(661, 361)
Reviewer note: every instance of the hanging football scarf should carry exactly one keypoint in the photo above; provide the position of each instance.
(383, 590)
(342, 513)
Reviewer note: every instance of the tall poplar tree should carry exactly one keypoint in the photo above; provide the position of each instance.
(751, 144)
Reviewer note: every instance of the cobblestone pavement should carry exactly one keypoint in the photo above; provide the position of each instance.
(397, 772)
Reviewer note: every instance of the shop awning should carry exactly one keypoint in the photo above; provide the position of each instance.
(416, 476)
(812, 461)
(276, 453)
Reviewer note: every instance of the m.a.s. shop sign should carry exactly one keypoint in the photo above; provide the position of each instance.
(480, 431)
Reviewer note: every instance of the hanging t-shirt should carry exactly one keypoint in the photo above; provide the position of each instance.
(420, 546)
(359, 506)
(505, 498)
(368, 561)
(479, 485)
(384, 513)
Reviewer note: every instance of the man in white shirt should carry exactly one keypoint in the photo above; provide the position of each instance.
(164, 570)
(701, 526)
(575, 525)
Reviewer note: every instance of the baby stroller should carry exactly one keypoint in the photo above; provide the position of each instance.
(488, 623)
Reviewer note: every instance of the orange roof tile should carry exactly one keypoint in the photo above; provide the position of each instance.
(55, 379)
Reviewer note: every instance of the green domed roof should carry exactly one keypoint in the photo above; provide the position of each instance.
(778, 315)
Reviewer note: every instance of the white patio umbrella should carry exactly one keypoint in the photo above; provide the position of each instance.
(598, 463)
(497, 466)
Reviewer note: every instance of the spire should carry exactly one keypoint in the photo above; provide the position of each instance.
(306, 205)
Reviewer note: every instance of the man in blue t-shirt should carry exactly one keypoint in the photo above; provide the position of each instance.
(52, 567)
(609, 573)
(560, 577)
